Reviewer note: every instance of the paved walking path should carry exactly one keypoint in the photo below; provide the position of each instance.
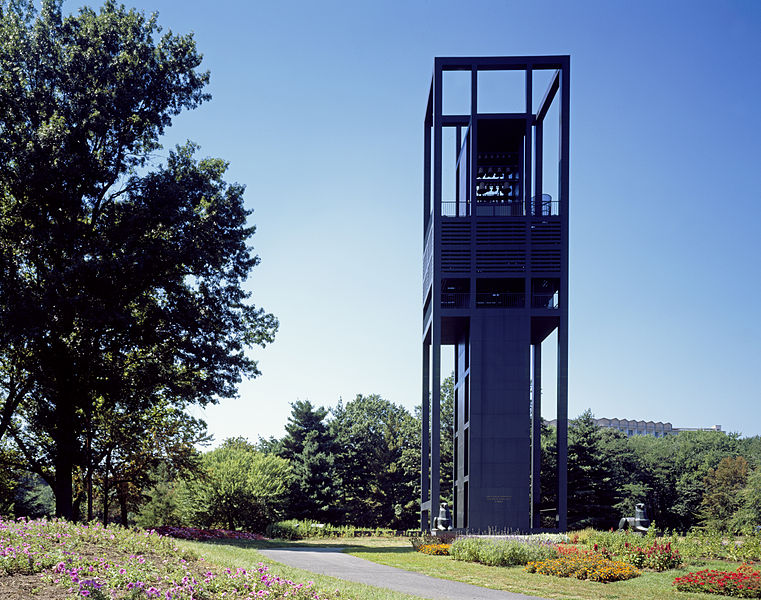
(333, 562)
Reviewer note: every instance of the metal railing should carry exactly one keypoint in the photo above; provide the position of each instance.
(500, 299)
(538, 206)
(544, 206)
(455, 299)
(455, 209)
(545, 301)
(483, 209)
(500, 209)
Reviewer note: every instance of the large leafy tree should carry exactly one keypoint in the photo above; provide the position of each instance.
(377, 483)
(240, 487)
(723, 492)
(120, 280)
(749, 513)
(674, 468)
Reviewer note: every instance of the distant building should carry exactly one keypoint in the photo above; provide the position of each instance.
(630, 427)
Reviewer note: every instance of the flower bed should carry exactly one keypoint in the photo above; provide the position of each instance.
(658, 557)
(583, 564)
(419, 541)
(115, 563)
(201, 535)
(745, 582)
(698, 544)
(435, 549)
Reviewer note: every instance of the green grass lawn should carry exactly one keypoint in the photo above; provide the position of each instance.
(515, 579)
(244, 553)
(397, 552)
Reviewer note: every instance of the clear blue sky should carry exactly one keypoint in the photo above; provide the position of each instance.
(318, 106)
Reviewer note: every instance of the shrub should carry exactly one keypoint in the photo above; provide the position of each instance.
(745, 582)
(583, 564)
(284, 530)
(241, 488)
(295, 529)
(502, 552)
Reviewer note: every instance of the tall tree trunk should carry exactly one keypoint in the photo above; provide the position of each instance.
(88, 476)
(105, 488)
(122, 493)
(65, 448)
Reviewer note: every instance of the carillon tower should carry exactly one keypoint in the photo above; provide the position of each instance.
(495, 286)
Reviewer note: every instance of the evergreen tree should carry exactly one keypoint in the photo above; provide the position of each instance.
(591, 491)
(446, 448)
(548, 476)
(310, 448)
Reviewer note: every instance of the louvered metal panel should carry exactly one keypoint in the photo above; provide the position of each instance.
(501, 260)
(545, 259)
(500, 233)
(455, 259)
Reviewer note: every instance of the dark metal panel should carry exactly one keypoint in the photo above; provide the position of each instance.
(500, 63)
(455, 120)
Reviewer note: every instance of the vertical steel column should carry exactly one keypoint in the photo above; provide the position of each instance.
(436, 297)
(425, 444)
(563, 187)
(472, 162)
(538, 169)
(427, 176)
(425, 465)
(527, 143)
(536, 437)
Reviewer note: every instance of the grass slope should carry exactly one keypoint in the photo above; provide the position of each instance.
(241, 553)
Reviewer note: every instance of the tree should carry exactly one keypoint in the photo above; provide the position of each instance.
(240, 487)
(591, 489)
(674, 468)
(548, 476)
(164, 504)
(121, 281)
(446, 445)
(309, 446)
(377, 487)
(130, 447)
(723, 492)
(749, 512)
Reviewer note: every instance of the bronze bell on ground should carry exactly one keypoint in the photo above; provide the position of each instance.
(444, 521)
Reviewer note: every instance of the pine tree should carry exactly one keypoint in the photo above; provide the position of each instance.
(310, 448)
(591, 491)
